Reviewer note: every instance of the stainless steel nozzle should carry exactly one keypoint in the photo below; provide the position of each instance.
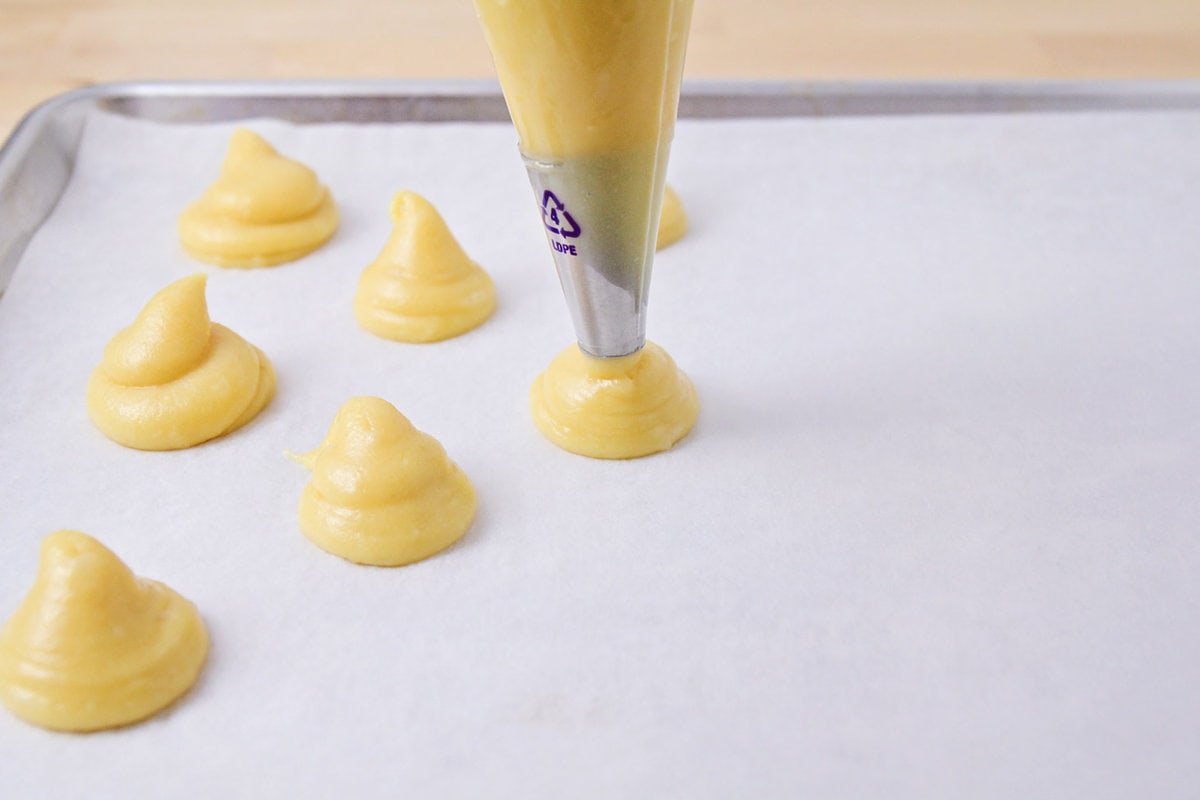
(601, 219)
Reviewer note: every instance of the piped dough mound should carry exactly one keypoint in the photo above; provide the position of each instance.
(382, 492)
(423, 287)
(263, 210)
(174, 378)
(92, 646)
(623, 407)
(673, 223)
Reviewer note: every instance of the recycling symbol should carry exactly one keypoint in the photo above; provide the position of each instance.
(556, 217)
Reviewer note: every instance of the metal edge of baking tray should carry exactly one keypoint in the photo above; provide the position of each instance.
(37, 159)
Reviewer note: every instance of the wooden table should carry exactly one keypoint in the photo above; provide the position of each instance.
(51, 46)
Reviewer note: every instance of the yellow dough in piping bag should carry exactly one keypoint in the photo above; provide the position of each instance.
(92, 646)
(423, 287)
(263, 210)
(593, 89)
(673, 223)
(382, 492)
(174, 378)
(624, 407)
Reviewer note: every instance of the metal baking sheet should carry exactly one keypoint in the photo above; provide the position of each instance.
(934, 534)
(35, 163)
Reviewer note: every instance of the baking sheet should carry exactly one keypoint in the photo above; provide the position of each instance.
(934, 534)
(36, 161)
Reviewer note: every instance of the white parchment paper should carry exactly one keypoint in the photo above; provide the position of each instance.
(935, 534)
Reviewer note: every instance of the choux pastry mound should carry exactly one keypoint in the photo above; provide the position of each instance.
(422, 287)
(673, 223)
(382, 492)
(92, 646)
(624, 407)
(174, 378)
(263, 210)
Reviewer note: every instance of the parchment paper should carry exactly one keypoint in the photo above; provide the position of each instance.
(935, 534)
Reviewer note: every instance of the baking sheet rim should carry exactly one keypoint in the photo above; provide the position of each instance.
(37, 158)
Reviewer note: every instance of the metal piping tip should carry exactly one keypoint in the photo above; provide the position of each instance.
(601, 215)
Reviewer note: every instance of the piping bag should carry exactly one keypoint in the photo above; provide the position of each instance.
(593, 89)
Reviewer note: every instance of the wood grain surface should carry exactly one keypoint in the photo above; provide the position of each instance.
(50, 46)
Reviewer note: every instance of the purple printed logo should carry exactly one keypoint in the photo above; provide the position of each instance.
(556, 217)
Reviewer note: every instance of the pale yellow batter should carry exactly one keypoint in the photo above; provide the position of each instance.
(382, 492)
(593, 91)
(92, 646)
(263, 210)
(614, 407)
(422, 287)
(174, 378)
(674, 222)
(621, 60)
